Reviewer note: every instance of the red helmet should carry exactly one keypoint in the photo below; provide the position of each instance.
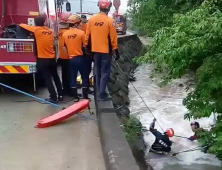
(64, 17)
(170, 132)
(104, 4)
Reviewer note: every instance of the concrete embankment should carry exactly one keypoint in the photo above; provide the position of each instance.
(119, 154)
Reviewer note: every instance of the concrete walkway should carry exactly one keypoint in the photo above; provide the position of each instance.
(73, 144)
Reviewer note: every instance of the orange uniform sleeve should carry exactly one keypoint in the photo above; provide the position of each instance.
(88, 32)
(113, 35)
(28, 27)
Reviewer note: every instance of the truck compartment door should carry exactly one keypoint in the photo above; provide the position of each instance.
(17, 50)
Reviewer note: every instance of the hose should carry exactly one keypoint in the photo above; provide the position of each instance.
(44, 101)
(3, 12)
(4, 9)
(29, 95)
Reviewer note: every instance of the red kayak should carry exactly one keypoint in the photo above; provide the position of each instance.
(64, 114)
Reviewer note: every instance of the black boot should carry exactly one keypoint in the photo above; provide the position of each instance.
(52, 100)
(85, 93)
(90, 91)
(75, 94)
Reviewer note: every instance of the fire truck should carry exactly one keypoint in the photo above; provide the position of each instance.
(17, 49)
(119, 19)
(120, 22)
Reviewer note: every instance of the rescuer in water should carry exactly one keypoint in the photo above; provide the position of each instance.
(88, 58)
(73, 44)
(195, 126)
(46, 56)
(162, 142)
(64, 58)
(101, 40)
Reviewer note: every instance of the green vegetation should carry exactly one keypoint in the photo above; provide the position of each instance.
(150, 15)
(132, 129)
(187, 35)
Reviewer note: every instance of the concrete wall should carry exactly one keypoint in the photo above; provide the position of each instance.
(117, 152)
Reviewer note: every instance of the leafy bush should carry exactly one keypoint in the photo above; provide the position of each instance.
(132, 129)
(194, 42)
(150, 15)
(144, 50)
(185, 45)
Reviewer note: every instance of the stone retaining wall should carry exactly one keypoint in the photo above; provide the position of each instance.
(129, 47)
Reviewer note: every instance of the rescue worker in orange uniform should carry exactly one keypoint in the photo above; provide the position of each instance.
(73, 44)
(46, 56)
(64, 58)
(102, 37)
(88, 58)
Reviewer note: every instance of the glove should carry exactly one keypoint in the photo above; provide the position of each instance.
(192, 138)
(116, 51)
(87, 51)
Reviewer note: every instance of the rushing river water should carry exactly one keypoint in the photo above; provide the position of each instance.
(166, 104)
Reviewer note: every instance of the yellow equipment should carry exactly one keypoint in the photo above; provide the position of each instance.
(79, 81)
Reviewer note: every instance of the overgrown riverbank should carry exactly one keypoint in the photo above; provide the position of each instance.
(122, 73)
(187, 37)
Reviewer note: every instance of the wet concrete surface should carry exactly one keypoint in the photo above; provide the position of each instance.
(73, 144)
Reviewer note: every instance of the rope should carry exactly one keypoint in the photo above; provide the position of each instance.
(180, 136)
(87, 117)
(146, 105)
(118, 66)
(189, 150)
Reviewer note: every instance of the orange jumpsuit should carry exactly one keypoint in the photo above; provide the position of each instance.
(46, 58)
(101, 39)
(74, 40)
